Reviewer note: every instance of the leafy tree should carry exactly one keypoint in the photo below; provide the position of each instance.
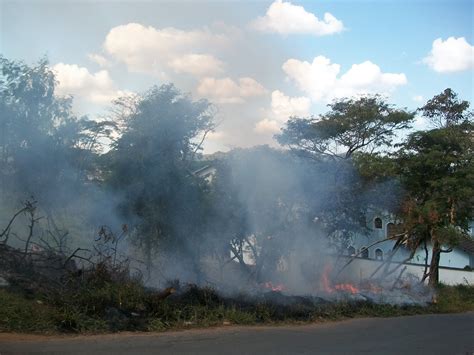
(444, 109)
(261, 208)
(150, 165)
(47, 152)
(343, 142)
(365, 124)
(42, 143)
(437, 171)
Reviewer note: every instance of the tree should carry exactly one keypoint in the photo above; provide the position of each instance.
(46, 151)
(149, 164)
(340, 142)
(365, 124)
(445, 110)
(41, 139)
(261, 209)
(437, 171)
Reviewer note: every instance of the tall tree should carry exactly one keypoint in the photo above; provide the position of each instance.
(437, 171)
(445, 109)
(41, 139)
(163, 129)
(340, 141)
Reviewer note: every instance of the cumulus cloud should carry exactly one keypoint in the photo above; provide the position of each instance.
(267, 126)
(155, 51)
(452, 55)
(321, 79)
(97, 88)
(227, 91)
(196, 64)
(286, 18)
(98, 59)
(282, 108)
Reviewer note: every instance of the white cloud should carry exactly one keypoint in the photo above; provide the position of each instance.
(417, 98)
(282, 108)
(286, 18)
(155, 51)
(227, 90)
(196, 64)
(267, 126)
(321, 79)
(452, 55)
(98, 59)
(97, 88)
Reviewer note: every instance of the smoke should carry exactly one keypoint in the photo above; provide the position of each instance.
(264, 220)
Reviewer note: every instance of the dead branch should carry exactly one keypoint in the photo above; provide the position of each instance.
(399, 277)
(74, 255)
(6, 232)
(387, 261)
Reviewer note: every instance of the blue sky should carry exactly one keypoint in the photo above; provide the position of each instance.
(254, 60)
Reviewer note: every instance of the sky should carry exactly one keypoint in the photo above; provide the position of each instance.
(258, 62)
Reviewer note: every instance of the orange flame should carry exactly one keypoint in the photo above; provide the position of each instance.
(275, 288)
(346, 287)
(337, 287)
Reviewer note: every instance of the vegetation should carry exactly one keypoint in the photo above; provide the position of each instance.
(122, 307)
(135, 171)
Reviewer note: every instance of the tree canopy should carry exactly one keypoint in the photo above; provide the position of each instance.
(364, 124)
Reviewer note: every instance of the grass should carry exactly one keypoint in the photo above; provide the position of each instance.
(111, 306)
(452, 299)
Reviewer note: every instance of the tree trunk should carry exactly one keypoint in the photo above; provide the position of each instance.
(434, 265)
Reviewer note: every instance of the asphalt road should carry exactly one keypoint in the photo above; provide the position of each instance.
(425, 334)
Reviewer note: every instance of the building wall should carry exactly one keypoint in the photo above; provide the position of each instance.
(361, 269)
(455, 259)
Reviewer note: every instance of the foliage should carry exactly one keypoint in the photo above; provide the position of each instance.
(45, 150)
(346, 143)
(365, 124)
(261, 200)
(150, 165)
(437, 170)
(445, 110)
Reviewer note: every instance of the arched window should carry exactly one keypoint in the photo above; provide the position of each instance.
(378, 254)
(391, 229)
(364, 253)
(378, 223)
(351, 251)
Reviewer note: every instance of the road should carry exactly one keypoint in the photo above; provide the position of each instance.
(423, 334)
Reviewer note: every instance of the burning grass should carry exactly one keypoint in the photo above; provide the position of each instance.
(110, 306)
(105, 297)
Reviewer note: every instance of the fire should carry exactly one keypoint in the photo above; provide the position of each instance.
(329, 288)
(370, 287)
(346, 287)
(276, 288)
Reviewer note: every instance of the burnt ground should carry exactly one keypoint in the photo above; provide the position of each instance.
(421, 334)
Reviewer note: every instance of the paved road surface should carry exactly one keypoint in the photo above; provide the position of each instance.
(426, 334)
